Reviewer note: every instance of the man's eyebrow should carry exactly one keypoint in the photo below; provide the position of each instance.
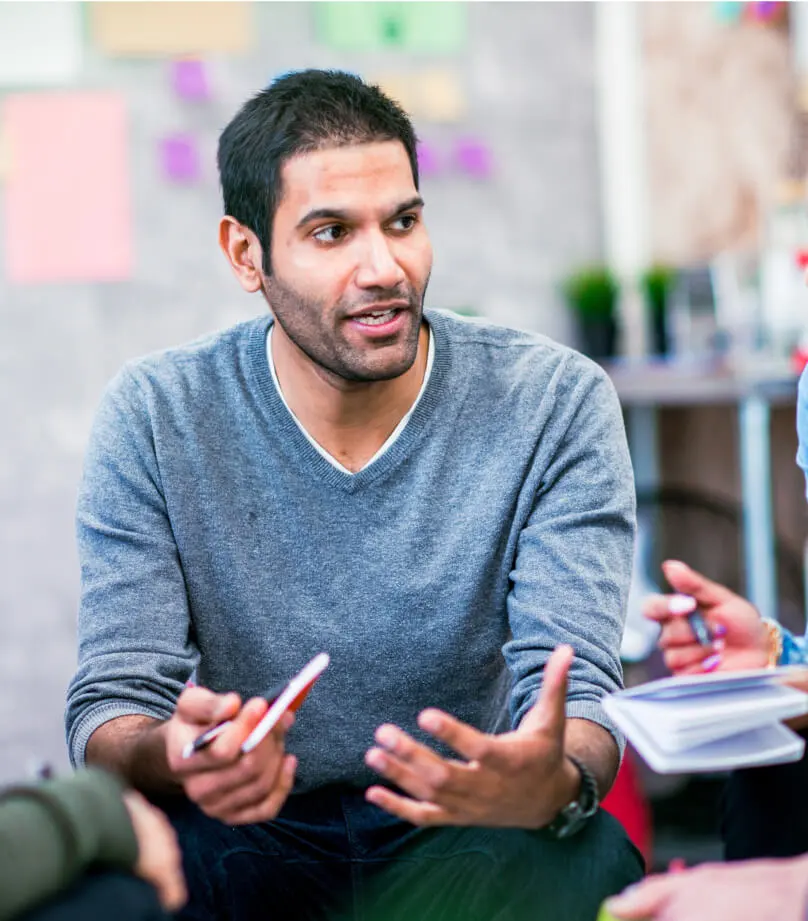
(339, 214)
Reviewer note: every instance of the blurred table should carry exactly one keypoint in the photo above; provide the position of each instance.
(644, 387)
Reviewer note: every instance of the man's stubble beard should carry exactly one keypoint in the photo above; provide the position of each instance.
(278, 294)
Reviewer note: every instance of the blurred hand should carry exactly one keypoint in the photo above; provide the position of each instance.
(159, 860)
(741, 639)
(226, 784)
(751, 890)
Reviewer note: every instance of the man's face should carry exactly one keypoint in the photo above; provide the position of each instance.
(350, 260)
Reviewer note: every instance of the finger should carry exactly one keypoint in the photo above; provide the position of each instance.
(689, 582)
(425, 778)
(171, 888)
(423, 814)
(269, 807)
(663, 608)
(642, 901)
(201, 707)
(467, 741)
(687, 656)
(548, 714)
(226, 749)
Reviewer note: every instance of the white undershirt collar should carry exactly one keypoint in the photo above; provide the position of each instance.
(430, 358)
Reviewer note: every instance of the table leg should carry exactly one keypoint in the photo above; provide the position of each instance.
(754, 418)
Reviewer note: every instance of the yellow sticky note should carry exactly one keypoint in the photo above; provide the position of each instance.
(140, 28)
(441, 96)
(402, 88)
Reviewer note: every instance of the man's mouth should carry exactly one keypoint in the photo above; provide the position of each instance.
(377, 317)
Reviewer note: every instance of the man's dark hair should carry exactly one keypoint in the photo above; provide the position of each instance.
(298, 113)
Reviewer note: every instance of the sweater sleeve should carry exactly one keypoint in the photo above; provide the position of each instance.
(135, 645)
(574, 557)
(52, 832)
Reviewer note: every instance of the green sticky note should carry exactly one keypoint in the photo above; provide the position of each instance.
(433, 26)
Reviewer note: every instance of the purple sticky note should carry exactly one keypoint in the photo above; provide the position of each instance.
(428, 160)
(180, 158)
(190, 79)
(474, 158)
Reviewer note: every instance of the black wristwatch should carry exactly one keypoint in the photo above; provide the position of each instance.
(576, 814)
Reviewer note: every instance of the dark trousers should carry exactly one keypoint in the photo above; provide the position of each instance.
(765, 811)
(332, 855)
(101, 897)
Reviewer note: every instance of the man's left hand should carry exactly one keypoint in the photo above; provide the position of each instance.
(517, 779)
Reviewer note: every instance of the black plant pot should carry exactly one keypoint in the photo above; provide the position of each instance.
(659, 333)
(598, 337)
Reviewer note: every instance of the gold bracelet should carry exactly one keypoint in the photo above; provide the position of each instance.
(775, 642)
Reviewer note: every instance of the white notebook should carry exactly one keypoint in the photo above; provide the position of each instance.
(717, 722)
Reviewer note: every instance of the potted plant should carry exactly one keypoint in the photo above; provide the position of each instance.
(656, 285)
(592, 293)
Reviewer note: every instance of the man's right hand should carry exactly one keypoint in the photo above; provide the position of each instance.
(226, 784)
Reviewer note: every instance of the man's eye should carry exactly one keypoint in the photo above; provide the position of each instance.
(405, 222)
(329, 234)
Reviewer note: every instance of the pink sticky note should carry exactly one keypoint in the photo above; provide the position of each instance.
(190, 80)
(180, 158)
(68, 210)
(429, 161)
(474, 158)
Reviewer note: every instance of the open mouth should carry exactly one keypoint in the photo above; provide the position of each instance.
(378, 318)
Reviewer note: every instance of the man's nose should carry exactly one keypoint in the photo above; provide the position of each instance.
(378, 267)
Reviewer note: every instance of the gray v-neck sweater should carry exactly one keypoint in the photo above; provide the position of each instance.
(213, 536)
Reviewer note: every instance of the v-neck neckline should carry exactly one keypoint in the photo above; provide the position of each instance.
(302, 450)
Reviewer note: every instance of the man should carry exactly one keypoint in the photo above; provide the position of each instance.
(437, 504)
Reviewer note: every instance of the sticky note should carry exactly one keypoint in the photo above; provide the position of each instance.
(190, 80)
(139, 28)
(402, 88)
(40, 43)
(438, 26)
(474, 158)
(180, 158)
(5, 156)
(441, 96)
(429, 160)
(728, 11)
(67, 203)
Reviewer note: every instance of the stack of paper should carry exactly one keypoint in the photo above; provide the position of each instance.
(717, 722)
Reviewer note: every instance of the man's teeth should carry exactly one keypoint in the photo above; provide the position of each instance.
(376, 319)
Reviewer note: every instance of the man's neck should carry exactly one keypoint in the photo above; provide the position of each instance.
(350, 420)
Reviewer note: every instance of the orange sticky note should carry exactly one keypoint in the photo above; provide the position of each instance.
(169, 27)
(67, 202)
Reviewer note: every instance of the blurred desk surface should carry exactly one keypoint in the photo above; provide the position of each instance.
(645, 386)
(663, 383)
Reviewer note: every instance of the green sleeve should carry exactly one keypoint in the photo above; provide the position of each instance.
(50, 833)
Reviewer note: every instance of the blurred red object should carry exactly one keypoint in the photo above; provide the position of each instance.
(627, 803)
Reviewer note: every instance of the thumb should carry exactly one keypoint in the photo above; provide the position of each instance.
(202, 707)
(687, 581)
(548, 713)
(641, 902)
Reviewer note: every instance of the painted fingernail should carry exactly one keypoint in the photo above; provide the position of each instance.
(710, 663)
(720, 630)
(719, 645)
(681, 604)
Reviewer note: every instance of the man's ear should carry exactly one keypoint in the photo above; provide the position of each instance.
(243, 251)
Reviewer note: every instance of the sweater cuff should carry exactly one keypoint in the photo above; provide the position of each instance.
(88, 809)
(593, 711)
